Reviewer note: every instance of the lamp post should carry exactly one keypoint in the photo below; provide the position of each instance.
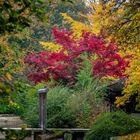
(42, 108)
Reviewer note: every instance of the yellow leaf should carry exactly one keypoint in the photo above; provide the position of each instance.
(8, 76)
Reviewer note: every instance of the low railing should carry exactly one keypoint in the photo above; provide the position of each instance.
(76, 133)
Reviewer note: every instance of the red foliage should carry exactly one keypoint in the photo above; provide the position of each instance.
(61, 66)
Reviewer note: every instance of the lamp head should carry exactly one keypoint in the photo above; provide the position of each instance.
(43, 91)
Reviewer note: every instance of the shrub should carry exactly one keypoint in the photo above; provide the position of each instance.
(113, 124)
(88, 98)
(66, 63)
(9, 96)
(29, 105)
(65, 107)
(59, 114)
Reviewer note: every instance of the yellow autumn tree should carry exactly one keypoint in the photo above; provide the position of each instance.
(97, 19)
(127, 34)
(11, 64)
(120, 21)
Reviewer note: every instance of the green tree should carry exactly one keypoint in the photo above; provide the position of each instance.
(18, 14)
(15, 15)
(41, 31)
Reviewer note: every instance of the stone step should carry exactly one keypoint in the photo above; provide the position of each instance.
(10, 121)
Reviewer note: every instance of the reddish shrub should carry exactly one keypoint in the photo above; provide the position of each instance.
(64, 66)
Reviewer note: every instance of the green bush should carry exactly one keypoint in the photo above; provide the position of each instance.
(59, 114)
(113, 124)
(88, 98)
(29, 105)
(65, 107)
(86, 107)
(9, 95)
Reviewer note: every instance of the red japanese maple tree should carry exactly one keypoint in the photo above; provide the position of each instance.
(65, 66)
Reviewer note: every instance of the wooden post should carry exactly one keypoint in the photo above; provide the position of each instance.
(32, 135)
(42, 108)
